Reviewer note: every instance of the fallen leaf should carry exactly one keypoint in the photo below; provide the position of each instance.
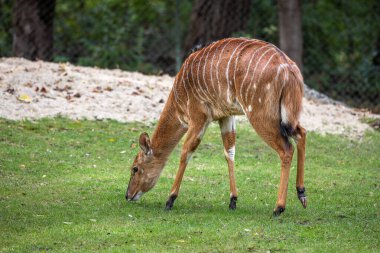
(62, 67)
(24, 98)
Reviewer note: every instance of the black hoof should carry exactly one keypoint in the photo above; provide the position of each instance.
(278, 210)
(170, 202)
(302, 196)
(233, 201)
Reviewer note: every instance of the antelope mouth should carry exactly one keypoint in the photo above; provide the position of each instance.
(135, 197)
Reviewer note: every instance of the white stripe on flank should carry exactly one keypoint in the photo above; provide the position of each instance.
(191, 87)
(254, 71)
(194, 87)
(275, 53)
(188, 80)
(183, 79)
(237, 58)
(199, 83)
(279, 68)
(177, 98)
(218, 63)
(211, 65)
(192, 78)
(286, 76)
(212, 60)
(205, 84)
(204, 70)
(249, 65)
(250, 60)
(228, 68)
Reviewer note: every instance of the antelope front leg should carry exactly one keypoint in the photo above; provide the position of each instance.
(228, 131)
(193, 138)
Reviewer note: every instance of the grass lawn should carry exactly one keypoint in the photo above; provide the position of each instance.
(63, 182)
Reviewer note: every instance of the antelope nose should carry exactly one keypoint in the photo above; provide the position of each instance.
(127, 197)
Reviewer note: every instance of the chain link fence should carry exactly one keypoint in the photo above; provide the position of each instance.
(341, 39)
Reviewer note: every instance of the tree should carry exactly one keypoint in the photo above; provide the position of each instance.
(289, 13)
(213, 20)
(32, 22)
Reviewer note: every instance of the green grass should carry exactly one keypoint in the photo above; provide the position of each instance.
(62, 187)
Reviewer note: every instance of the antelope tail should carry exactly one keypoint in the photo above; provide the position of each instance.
(291, 103)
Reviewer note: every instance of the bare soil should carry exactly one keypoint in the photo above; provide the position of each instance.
(33, 90)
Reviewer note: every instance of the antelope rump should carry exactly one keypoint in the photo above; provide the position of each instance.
(234, 76)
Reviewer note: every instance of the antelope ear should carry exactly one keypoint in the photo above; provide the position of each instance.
(145, 143)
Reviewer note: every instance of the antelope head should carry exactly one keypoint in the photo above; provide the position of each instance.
(145, 170)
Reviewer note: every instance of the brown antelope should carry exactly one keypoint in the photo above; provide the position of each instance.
(230, 77)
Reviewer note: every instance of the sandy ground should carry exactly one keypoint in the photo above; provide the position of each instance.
(32, 90)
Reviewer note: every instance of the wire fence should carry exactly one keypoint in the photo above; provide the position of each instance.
(341, 39)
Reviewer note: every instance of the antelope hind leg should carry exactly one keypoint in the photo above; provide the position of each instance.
(301, 149)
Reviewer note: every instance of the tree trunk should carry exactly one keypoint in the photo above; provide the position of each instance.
(290, 28)
(33, 29)
(213, 20)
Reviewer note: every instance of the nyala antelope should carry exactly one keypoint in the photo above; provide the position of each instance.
(233, 76)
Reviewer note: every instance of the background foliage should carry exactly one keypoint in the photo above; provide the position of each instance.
(341, 39)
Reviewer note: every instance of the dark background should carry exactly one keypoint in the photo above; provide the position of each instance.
(336, 43)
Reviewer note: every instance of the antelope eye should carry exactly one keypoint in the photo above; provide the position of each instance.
(135, 169)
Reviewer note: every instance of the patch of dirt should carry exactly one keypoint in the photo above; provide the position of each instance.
(32, 90)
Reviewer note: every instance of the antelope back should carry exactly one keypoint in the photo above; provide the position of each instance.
(234, 76)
